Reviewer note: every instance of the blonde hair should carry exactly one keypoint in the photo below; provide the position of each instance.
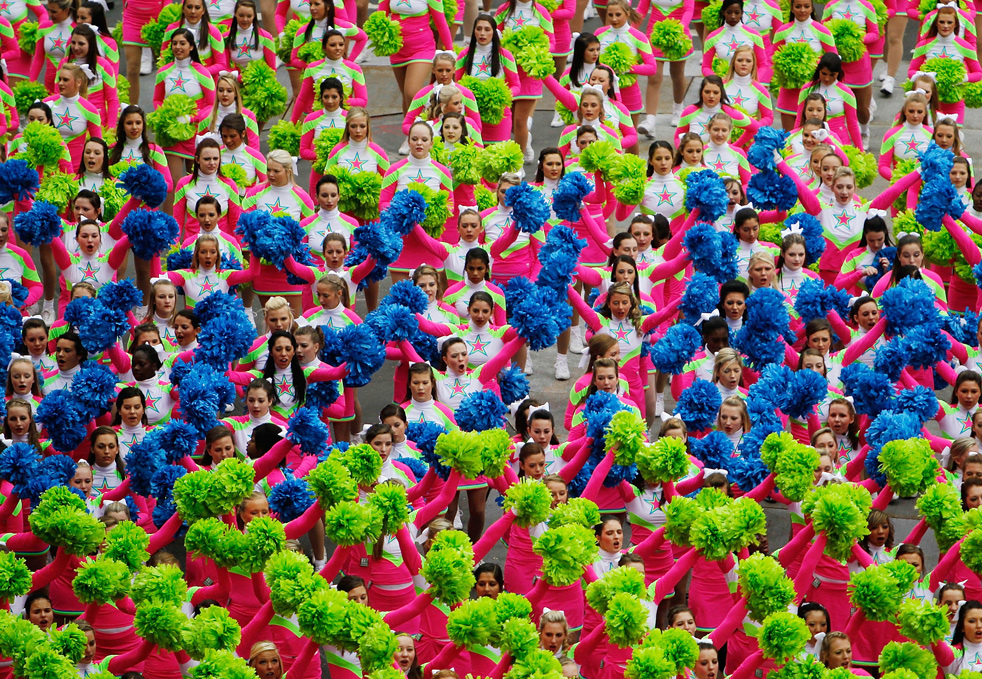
(443, 56)
(632, 14)
(738, 403)
(354, 113)
(720, 118)
(205, 237)
(844, 172)
(553, 617)
(334, 281)
(284, 158)
(600, 97)
(730, 72)
(762, 256)
(439, 100)
(230, 80)
(6, 293)
(261, 647)
(724, 357)
(164, 282)
(275, 304)
(80, 78)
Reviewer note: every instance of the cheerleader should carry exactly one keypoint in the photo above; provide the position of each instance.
(858, 75)
(743, 85)
(356, 152)
(477, 267)
(712, 100)
(23, 382)
(419, 167)
(328, 218)
(93, 170)
(206, 274)
(185, 75)
(133, 146)
(74, 117)
(331, 117)
(280, 192)
(791, 264)
(235, 151)
(205, 35)
(731, 34)
(53, 41)
(621, 21)
(683, 11)
(246, 40)
(803, 27)
(16, 13)
(688, 153)
(720, 155)
(260, 398)
(333, 252)
(955, 418)
(147, 377)
(941, 40)
(208, 212)
(908, 137)
(228, 101)
(162, 310)
(334, 65)
(130, 419)
(842, 115)
(88, 264)
(444, 65)
(99, 71)
(205, 180)
(93, 14)
(485, 58)
(427, 279)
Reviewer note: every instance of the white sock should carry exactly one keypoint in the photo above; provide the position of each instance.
(864, 128)
(48, 304)
(560, 357)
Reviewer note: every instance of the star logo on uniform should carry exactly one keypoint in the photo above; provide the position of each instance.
(3, 271)
(732, 44)
(520, 21)
(484, 65)
(702, 127)
(843, 218)
(752, 17)
(847, 14)
(152, 403)
(911, 144)
(90, 271)
(419, 178)
(131, 154)
(4, 6)
(207, 285)
(233, 160)
(738, 99)
(132, 442)
(966, 423)
(719, 164)
(284, 388)
(207, 192)
(793, 287)
(804, 172)
(405, 3)
(801, 38)
(664, 197)
(622, 333)
(356, 162)
(422, 419)
(179, 82)
(944, 53)
(66, 119)
(479, 346)
(58, 44)
(244, 49)
(275, 207)
(653, 505)
(457, 389)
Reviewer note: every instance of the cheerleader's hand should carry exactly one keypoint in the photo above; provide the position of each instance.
(871, 271)
(184, 120)
(870, 38)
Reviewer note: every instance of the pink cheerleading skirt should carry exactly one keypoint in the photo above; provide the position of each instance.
(183, 149)
(500, 132)
(21, 66)
(709, 594)
(564, 38)
(567, 599)
(961, 295)
(869, 641)
(161, 664)
(631, 98)
(385, 600)
(858, 74)
(418, 44)
(530, 87)
(137, 15)
(955, 110)
(787, 100)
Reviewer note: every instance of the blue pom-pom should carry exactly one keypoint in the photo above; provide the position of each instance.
(54, 470)
(379, 241)
(102, 327)
(408, 294)
(927, 346)
(151, 233)
(481, 411)
(142, 463)
(747, 470)
(162, 513)
(872, 392)
(178, 440)
(426, 346)
(749, 449)
(164, 479)
(417, 467)
(920, 402)
(19, 464)
(18, 293)
(811, 231)
(336, 447)
(888, 253)
(18, 181)
(701, 296)
(513, 384)
(178, 370)
(891, 358)
(769, 190)
(569, 194)
(424, 435)
(714, 450)
(815, 299)
(145, 183)
(806, 390)
(907, 305)
(698, 405)
(359, 254)
(407, 209)
(541, 317)
(729, 263)
(121, 295)
(77, 311)
(204, 393)
(935, 162)
(322, 395)
(705, 191)
(772, 387)
(517, 289)
(226, 339)
(306, 429)
(290, 498)
(676, 348)
(270, 238)
(357, 346)
(216, 305)
(559, 258)
(705, 248)
(179, 259)
(132, 507)
(892, 426)
(64, 417)
(763, 413)
(964, 328)
(938, 198)
(766, 142)
(40, 225)
(530, 211)
(94, 386)
(393, 323)
(767, 324)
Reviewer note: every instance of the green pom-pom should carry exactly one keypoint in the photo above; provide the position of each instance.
(882, 13)
(808, 667)
(453, 540)
(26, 92)
(437, 212)
(127, 543)
(123, 87)
(621, 60)
(627, 431)
(62, 521)
(903, 572)
(15, 576)
(376, 647)
(908, 656)
(783, 636)
(710, 16)
(27, 36)
(900, 674)
(153, 32)
(464, 163)
(207, 537)
(385, 34)
(472, 623)
(69, 641)
(496, 450)
(57, 188)
(519, 638)
(236, 173)
(939, 247)
(669, 37)
(450, 575)
(166, 57)
(264, 537)
(167, 120)
(323, 616)
(232, 482)
(358, 620)
(565, 551)
(164, 584)
(285, 135)
(950, 74)
(626, 620)
(363, 463)
(531, 502)
(665, 460)
(721, 67)
(162, 624)
(794, 64)
(765, 586)
(530, 47)
(492, 96)
(793, 464)
(909, 466)
(565, 114)
(450, 11)
(348, 524)
(923, 621)
(649, 663)
(508, 606)
(579, 511)
(629, 176)
(44, 664)
(310, 52)
(876, 593)
(745, 521)
(680, 514)
(261, 92)
(839, 511)
(678, 647)
(863, 164)
(968, 674)
(972, 551)
(598, 156)
(291, 581)
(359, 192)
(101, 581)
(389, 502)
(601, 592)
(497, 159)
(848, 39)
(222, 665)
(484, 197)
(771, 233)
(973, 94)
(284, 46)
(386, 673)
(332, 483)
(18, 636)
(45, 147)
(538, 664)
(462, 451)
(941, 507)
(113, 198)
(212, 629)
(323, 145)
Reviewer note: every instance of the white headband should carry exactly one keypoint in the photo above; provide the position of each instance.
(707, 471)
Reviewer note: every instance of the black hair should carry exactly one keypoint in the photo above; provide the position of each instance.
(125, 393)
(41, 106)
(265, 436)
(105, 158)
(624, 259)
(299, 379)
(393, 410)
(189, 36)
(858, 304)
(350, 582)
(479, 254)
(728, 288)
(549, 150)
(713, 80)
(116, 155)
(713, 324)
(875, 225)
(146, 350)
(495, 47)
(831, 62)
(959, 635)
(97, 14)
(655, 145)
(495, 571)
(583, 40)
(308, 32)
(206, 143)
(811, 607)
(332, 84)
(481, 296)
(543, 414)
(80, 350)
(191, 316)
(234, 29)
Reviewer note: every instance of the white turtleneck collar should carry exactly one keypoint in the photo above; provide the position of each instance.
(183, 63)
(328, 215)
(741, 80)
(419, 162)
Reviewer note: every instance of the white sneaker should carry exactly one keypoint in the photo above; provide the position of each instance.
(676, 114)
(590, 12)
(528, 366)
(872, 109)
(562, 369)
(458, 522)
(48, 315)
(647, 126)
(404, 149)
(576, 340)
(659, 404)
(529, 151)
(886, 88)
(883, 76)
(146, 61)
(557, 121)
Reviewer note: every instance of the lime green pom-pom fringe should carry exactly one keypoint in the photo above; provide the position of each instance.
(464, 164)
(680, 513)
(484, 197)
(450, 11)
(284, 46)
(923, 621)
(236, 173)
(123, 87)
(792, 464)
(519, 638)
(26, 92)
(600, 593)
(310, 52)
(721, 67)
(783, 636)
(15, 576)
(578, 511)
(363, 463)
(437, 212)
(212, 629)
(621, 59)
(472, 623)
(492, 96)
(765, 586)
(127, 543)
(376, 646)
(950, 74)
(462, 451)
(628, 173)
(840, 512)
(794, 64)
(45, 147)
(538, 664)
(264, 537)
(496, 450)
(57, 188)
(497, 159)
(665, 460)
(164, 583)
(390, 503)
(163, 624)
(626, 620)
(564, 551)
(530, 500)
(359, 192)
(69, 641)
(863, 164)
(908, 656)
(385, 34)
(598, 156)
(670, 38)
(450, 575)
(222, 665)
(875, 591)
(164, 120)
(290, 578)
(909, 466)
(710, 16)
(848, 39)
(530, 47)
(882, 13)
(27, 36)
(323, 145)
(348, 524)
(972, 93)
(261, 91)
(564, 113)
(626, 431)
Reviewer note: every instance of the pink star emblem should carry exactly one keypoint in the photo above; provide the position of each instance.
(152, 403)
(911, 144)
(285, 388)
(207, 192)
(90, 271)
(966, 424)
(66, 119)
(847, 14)
(484, 66)
(738, 100)
(843, 218)
(718, 165)
(804, 172)
(4, 6)
(944, 53)
(276, 207)
(519, 20)
(58, 44)
(208, 286)
(356, 162)
(479, 346)
(653, 505)
(752, 17)
(732, 44)
(419, 178)
(622, 333)
(244, 49)
(665, 196)
(457, 389)
(179, 82)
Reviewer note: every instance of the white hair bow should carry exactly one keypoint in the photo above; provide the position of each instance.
(544, 406)
(821, 134)
(296, 171)
(450, 52)
(461, 208)
(592, 88)
(873, 212)
(917, 90)
(927, 74)
(87, 71)
(234, 74)
(707, 471)
(793, 229)
(946, 3)
(901, 234)
(95, 29)
(819, 638)
(706, 317)
(828, 477)
(423, 536)
(14, 356)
